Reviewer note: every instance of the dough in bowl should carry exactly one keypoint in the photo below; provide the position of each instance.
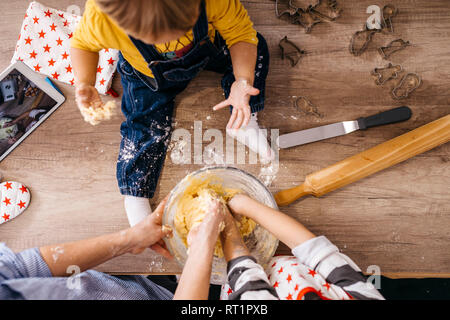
(194, 205)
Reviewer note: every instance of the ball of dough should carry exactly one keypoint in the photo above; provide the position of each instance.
(95, 115)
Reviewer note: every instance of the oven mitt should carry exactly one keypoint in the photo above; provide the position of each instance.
(15, 198)
(44, 46)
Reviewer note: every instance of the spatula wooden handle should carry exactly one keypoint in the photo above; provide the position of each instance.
(370, 161)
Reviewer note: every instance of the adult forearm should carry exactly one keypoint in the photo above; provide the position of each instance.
(243, 57)
(85, 254)
(84, 65)
(283, 227)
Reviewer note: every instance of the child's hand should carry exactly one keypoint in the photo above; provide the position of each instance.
(241, 205)
(87, 96)
(232, 243)
(239, 98)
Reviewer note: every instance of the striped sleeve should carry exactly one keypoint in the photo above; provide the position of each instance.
(322, 256)
(248, 280)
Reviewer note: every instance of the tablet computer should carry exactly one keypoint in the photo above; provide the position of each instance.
(26, 100)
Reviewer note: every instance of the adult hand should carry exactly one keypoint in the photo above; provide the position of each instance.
(208, 230)
(149, 233)
(239, 98)
(87, 96)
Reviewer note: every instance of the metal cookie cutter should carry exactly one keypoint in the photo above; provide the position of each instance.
(303, 105)
(387, 73)
(306, 19)
(290, 51)
(389, 11)
(406, 86)
(284, 7)
(360, 40)
(326, 9)
(392, 47)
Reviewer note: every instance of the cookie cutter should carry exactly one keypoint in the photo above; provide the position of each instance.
(392, 47)
(312, 15)
(406, 86)
(360, 40)
(306, 107)
(388, 12)
(326, 9)
(387, 73)
(306, 18)
(283, 7)
(290, 51)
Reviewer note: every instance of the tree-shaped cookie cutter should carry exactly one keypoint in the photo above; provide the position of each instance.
(285, 7)
(312, 15)
(297, 15)
(387, 73)
(290, 51)
(306, 18)
(392, 47)
(326, 9)
(406, 86)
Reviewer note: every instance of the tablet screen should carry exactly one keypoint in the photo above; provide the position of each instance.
(22, 105)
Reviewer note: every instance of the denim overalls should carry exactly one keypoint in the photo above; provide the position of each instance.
(148, 103)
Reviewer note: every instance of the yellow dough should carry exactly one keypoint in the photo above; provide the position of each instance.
(194, 205)
(95, 115)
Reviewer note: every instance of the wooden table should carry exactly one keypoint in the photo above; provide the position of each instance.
(397, 219)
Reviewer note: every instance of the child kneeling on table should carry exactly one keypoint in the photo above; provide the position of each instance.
(163, 46)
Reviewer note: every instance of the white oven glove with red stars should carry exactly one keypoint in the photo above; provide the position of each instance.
(15, 198)
(44, 46)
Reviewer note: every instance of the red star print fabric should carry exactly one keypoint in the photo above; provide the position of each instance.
(15, 198)
(296, 281)
(317, 271)
(44, 45)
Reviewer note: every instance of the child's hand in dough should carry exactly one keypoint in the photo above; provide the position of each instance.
(240, 205)
(87, 96)
(239, 98)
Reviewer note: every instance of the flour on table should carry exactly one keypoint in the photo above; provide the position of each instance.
(267, 174)
(156, 265)
(179, 154)
(211, 156)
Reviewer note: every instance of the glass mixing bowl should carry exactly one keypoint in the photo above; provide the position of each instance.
(261, 243)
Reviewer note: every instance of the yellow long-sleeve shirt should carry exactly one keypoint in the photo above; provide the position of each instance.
(97, 31)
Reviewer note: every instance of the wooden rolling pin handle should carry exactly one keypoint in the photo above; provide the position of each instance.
(285, 197)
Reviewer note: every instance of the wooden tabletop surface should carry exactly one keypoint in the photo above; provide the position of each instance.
(398, 219)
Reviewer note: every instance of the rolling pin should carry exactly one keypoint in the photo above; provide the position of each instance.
(370, 161)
